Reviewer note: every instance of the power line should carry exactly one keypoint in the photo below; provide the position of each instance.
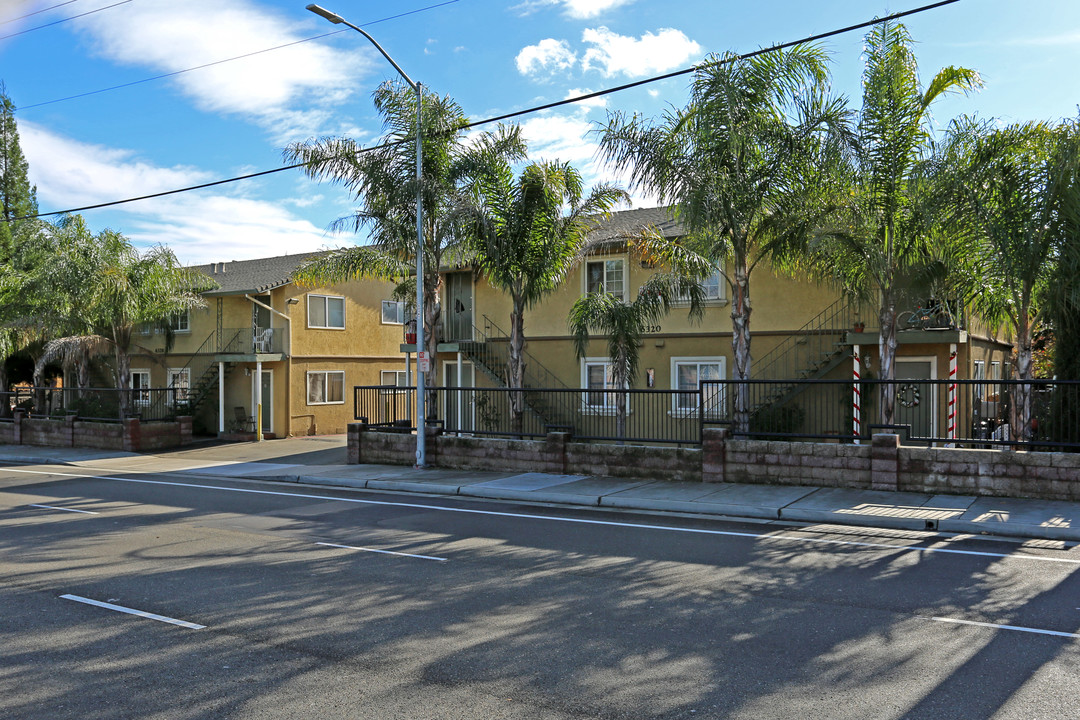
(63, 20)
(238, 57)
(518, 113)
(37, 12)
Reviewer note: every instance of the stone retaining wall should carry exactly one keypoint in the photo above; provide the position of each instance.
(131, 435)
(882, 465)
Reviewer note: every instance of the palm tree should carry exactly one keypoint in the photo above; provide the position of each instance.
(624, 325)
(527, 234)
(736, 165)
(1018, 191)
(888, 226)
(383, 179)
(114, 289)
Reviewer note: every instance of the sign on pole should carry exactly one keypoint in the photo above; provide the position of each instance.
(423, 362)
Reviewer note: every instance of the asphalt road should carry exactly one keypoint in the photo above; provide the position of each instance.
(316, 603)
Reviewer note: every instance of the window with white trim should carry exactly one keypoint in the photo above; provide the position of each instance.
(179, 385)
(597, 376)
(181, 322)
(140, 384)
(326, 312)
(393, 312)
(397, 378)
(687, 376)
(326, 387)
(713, 287)
(606, 276)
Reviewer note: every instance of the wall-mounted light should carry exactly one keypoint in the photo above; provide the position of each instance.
(292, 301)
(247, 371)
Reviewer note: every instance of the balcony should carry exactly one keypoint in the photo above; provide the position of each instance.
(244, 345)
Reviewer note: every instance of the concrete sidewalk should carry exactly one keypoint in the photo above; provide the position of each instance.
(321, 461)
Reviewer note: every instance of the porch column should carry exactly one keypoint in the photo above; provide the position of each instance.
(258, 401)
(951, 428)
(221, 398)
(459, 393)
(856, 399)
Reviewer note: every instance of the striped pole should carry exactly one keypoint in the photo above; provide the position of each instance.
(951, 430)
(856, 398)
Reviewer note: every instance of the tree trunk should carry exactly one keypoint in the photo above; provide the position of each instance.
(123, 381)
(516, 366)
(1020, 407)
(887, 355)
(432, 330)
(740, 343)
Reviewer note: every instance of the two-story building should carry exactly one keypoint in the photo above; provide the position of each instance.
(264, 342)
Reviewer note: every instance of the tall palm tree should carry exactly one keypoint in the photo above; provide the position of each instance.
(1018, 190)
(888, 227)
(527, 234)
(624, 325)
(383, 180)
(736, 166)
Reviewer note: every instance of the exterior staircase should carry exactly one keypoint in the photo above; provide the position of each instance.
(543, 398)
(809, 353)
(203, 372)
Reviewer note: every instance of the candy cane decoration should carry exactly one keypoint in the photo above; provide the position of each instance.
(856, 398)
(952, 396)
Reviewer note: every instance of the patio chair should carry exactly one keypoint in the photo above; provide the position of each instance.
(242, 422)
(264, 340)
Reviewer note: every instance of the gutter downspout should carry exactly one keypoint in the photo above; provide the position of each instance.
(288, 367)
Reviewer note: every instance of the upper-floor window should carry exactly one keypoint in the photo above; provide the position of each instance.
(181, 321)
(713, 286)
(326, 311)
(393, 312)
(606, 276)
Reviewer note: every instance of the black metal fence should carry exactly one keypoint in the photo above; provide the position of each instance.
(99, 404)
(962, 413)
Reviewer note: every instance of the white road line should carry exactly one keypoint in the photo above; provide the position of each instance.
(1004, 627)
(579, 521)
(53, 507)
(129, 611)
(383, 552)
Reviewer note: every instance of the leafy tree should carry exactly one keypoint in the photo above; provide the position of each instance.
(18, 199)
(737, 165)
(1019, 192)
(383, 179)
(527, 234)
(885, 235)
(624, 325)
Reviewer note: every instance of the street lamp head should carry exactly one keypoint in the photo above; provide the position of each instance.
(323, 12)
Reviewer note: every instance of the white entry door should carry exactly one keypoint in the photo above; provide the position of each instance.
(460, 406)
(916, 402)
(267, 399)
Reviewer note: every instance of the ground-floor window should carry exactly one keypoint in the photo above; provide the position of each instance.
(687, 376)
(325, 387)
(179, 385)
(397, 378)
(140, 383)
(597, 376)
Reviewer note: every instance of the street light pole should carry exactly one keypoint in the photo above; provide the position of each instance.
(421, 424)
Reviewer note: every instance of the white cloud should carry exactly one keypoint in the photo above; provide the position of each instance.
(578, 9)
(172, 36)
(549, 55)
(591, 103)
(200, 226)
(613, 54)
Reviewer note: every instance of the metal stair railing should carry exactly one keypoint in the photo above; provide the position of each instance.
(810, 352)
(203, 374)
(493, 357)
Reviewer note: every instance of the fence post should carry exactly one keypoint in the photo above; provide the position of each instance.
(20, 414)
(713, 454)
(555, 452)
(69, 430)
(132, 437)
(885, 462)
(356, 432)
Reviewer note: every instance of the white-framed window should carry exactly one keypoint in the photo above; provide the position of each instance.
(393, 312)
(607, 276)
(326, 312)
(397, 378)
(598, 378)
(687, 376)
(179, 385)
(140, 383)
(713, 286)
(326, 387)
(181, 322)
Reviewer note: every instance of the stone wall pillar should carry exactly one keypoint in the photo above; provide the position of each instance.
(885, 462)
(555, 452)
(132, 437)
(68, 436)
(185, 425)
(355, 436)
(20, 415)
(714, 454)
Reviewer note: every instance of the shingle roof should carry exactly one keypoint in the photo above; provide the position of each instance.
(254, 276)
(631, 222)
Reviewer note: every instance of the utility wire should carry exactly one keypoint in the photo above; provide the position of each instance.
(63, 20)
(486, 121)
(37, 12)
(238, 57)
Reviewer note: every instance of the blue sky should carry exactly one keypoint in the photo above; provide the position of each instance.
(492, 56)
